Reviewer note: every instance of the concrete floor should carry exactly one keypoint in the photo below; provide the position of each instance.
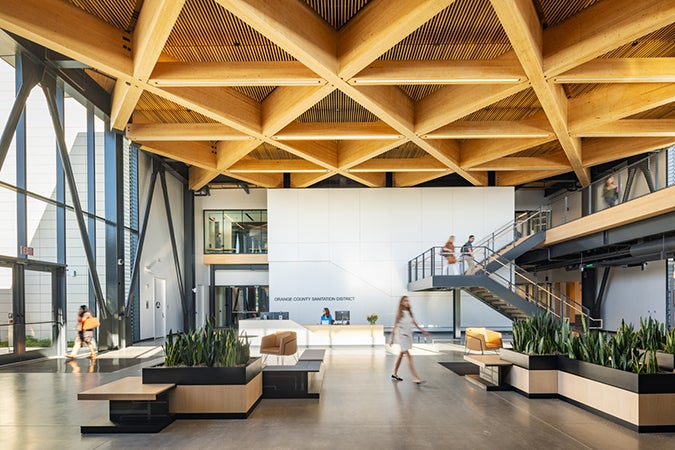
(360, 407)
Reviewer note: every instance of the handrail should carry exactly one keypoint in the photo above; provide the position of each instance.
(519, 227)
(560, 298)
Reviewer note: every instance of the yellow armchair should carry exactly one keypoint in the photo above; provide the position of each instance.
(281, 343)
(482, 339)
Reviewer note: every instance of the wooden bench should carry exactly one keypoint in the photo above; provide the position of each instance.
(301, 380)
(134, 407)
(491, 371)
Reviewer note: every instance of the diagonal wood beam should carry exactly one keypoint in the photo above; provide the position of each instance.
(183, 132)
(285, 104)
(68, 30)
(155, 22)
(482, 151)
(451, 103)
(267, 180)
(198, 177)
(632, 127)
(491, 130)
(526, 176)
(409, 179)
(600, 29)
(303, 180)
(527, 163)
(229, 152)
(191, 153)
(614, 102)
(351, 153)
(250, 165)
(337, 130)
(621, 70)
(497, 71)
(602, 150)
(425, 164)
(321, 153)
(370, 179)
(378, 27)
(234, 73)
(521, 23)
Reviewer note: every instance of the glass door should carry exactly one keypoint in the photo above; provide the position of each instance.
(7, 344)
(233, 303)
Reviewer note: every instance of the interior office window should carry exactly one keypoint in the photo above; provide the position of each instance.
(8, 242)
(7, 96)
(40, 146)
(235, 231)
(75, 130)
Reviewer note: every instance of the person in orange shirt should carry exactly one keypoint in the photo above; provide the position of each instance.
(86, 336)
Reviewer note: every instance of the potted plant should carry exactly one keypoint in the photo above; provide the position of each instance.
(213, 372)
(372, 319)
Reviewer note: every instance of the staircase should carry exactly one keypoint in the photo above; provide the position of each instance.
(496, 280)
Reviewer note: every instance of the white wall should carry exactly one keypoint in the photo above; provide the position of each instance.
(157, 254)
(349, 248)
(632, 293)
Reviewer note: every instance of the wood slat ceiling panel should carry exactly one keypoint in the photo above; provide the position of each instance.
(121, 14)
(337, 107)
(257, 93)
(407, 150)
(659, 44)
(268, 152)
(553, 12)
(162, 110)
(418, 91)
(467, 29)
(336, 13)
(516, 107)
(550, 148)
(662, 112)
(205, 31)
(576, 90)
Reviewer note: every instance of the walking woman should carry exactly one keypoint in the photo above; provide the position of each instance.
(403, 324)
(86, 336)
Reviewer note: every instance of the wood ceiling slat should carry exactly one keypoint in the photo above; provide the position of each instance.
(548, 148)
(662, 112)
(205, 31)
(556, 11)
(336, 14)
(407, 150)
(467, 29)
(119, 13)
(516, 107)
(162, 110)
(337, 107)
(268, 152)
(659, 44)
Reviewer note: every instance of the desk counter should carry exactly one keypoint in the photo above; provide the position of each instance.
(314, 335)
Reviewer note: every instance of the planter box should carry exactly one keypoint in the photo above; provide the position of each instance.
(535, 376)
(531, 362)
(666, 360)
(203, 375)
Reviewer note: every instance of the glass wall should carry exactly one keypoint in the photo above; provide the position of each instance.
(235, 231)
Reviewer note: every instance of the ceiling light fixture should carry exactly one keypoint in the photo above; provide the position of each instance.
(484, 136)
(435, 80)
(599, 79)
(238, 82)
(339, 137)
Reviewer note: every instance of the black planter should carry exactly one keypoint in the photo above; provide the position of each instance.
(666, 360)
(658, 383)
(203, 375)
(530, 362)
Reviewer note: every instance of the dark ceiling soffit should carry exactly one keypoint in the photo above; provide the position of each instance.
(643, 230)
(78, 83)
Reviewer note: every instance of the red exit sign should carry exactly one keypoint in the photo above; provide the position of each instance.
(25, 250)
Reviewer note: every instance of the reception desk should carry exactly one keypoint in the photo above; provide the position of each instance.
(314, 335)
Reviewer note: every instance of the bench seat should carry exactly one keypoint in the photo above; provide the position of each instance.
(129, 388)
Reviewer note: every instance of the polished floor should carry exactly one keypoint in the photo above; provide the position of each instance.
(360, 407)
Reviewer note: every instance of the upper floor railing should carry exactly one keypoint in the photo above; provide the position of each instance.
(628, 182)
(523, 225)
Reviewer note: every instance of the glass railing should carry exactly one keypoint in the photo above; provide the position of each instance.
(620, 186)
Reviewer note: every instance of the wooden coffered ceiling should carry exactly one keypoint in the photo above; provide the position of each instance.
(419, 89)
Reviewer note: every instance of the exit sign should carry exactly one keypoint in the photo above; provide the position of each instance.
(25, 250)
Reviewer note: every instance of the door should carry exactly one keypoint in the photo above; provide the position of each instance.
(159, 294)
(6, 312)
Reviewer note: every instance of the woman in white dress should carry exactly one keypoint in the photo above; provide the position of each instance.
(404, 326)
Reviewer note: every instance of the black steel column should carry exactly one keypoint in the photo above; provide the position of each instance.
(91, 195)
(48, 86)
(456, 313)
(189, 254)
(59, 308)
(174, 249)
(589, 286)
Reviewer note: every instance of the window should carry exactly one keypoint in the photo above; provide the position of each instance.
(235, 231)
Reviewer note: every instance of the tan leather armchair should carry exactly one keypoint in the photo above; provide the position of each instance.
(482, 339)
(281, 343)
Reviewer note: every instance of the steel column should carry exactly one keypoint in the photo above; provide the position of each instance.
(174, 248)
(189, 253)
(48, 86)
(456, 313)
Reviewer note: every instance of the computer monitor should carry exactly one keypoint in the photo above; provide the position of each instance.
(342, 317)
(274, 315)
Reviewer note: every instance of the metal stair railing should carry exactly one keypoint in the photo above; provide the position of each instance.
(546, 298)
(523, 225)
